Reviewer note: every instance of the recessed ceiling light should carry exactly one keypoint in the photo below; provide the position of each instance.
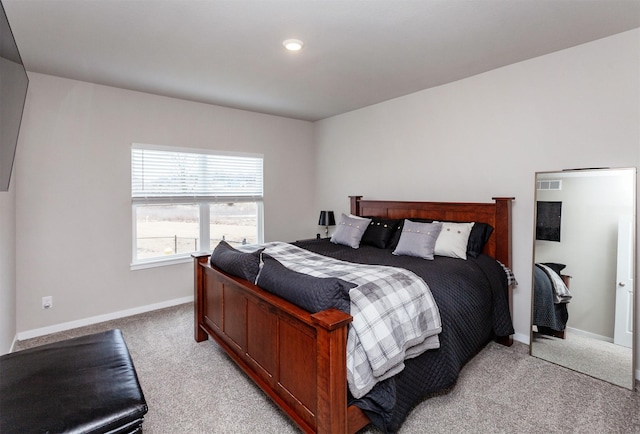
(293, 44)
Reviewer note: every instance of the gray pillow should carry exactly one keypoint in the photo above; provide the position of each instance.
(350, 230)
(418, 239)
(311, 293)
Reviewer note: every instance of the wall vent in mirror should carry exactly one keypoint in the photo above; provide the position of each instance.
(550, 184)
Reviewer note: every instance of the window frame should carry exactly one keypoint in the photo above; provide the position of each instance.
(204, 205)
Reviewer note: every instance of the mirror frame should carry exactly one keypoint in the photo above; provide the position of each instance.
(634, 300)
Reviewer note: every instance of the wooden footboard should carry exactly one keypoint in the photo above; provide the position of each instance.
(297, 358)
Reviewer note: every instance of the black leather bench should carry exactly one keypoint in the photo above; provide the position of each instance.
(82, 385)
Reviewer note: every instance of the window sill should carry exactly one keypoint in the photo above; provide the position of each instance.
(161, 262)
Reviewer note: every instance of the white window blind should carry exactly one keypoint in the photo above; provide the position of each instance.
(162, 175)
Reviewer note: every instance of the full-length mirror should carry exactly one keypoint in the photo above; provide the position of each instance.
(583, 286)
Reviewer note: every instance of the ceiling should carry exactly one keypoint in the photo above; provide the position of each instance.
(356, 53)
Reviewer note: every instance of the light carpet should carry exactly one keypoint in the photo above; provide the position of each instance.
(195, 388)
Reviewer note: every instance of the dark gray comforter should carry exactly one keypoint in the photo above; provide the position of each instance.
(472, 298)
(547, 313)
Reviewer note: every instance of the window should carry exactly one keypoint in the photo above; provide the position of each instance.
(186, 201)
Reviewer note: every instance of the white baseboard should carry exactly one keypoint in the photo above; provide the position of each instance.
(29, 334)
(13, 344)
(521, 338)
(590, 335)
(148, 308)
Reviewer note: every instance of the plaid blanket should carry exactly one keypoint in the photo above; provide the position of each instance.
(394, 314)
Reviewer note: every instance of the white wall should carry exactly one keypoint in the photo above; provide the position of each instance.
(487, 135)
(7, 268)
(73, 192)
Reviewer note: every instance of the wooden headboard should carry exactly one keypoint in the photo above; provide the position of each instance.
(497, 214)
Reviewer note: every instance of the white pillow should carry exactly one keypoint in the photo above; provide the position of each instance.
(350, 230)
(453, 239)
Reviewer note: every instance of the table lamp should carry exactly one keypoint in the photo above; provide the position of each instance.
(326, 219)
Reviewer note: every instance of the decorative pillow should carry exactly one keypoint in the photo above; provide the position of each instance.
(555, 267)
(418, 239)
(395, 236)
(379, 232)
(393, 242)
(240, 264)
(478, 237)
(313, 294)
(453, 239)
(350, 230)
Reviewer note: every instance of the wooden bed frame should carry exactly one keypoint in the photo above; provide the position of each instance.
(298, 358)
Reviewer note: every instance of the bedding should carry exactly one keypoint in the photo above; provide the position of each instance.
(394, 314)
(379, 232)
(350, 230)
(238, 263)
(418, 239)
(453, 240)
(478, 235)
(550, 298)
(314, 294)
(472, 300)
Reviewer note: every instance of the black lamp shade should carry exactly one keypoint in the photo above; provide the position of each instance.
(326, 219)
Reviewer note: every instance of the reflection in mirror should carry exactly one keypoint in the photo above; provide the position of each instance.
(582, 296)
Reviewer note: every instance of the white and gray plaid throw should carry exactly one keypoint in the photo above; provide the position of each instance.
(394, 314)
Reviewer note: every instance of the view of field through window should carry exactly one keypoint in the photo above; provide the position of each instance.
(170, 229)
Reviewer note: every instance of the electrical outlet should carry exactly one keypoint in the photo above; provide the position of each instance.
(47, 302)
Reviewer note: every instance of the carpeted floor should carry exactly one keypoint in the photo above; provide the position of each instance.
(194, 388)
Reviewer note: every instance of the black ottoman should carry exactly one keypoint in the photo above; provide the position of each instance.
(82, 385)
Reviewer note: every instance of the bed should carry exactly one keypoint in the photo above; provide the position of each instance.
(551, 297)
(298, 358)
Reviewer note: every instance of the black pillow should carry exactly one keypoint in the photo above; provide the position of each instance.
(480, 233)
(555, 267)
(313, 294)
(240, 264)
(379, 232)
